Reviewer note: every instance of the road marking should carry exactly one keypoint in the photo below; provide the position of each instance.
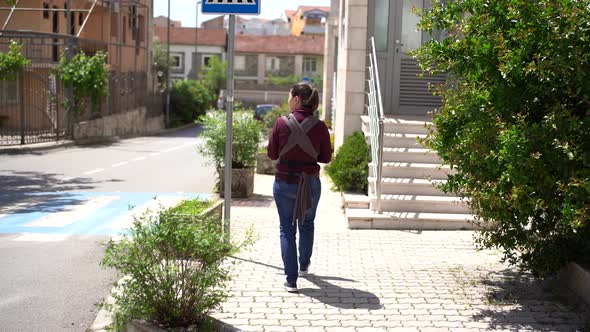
(138, 159)
(2, 215)
(120, 164)
(179, 147)
(34, 237)
(94, 171)
(152, 206)
(72, 213)
(155, 154)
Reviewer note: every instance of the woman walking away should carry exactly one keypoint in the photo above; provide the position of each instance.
(298, 141)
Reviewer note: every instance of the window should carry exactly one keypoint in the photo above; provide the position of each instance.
(9, 91)
(176, 61)
(310, 65)
(45, 10)
(114, 24)
(273, 63)
(80, 19)
(205, 58)
(240, 62)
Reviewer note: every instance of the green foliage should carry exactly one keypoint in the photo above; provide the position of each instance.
(349, 170)
(271, 117)
(515, 124)
(189, 100)
(12, 62)
(283, 80)
(245, 138)
(161, 61)
(174, 270)
(11, 2)
(88, 78)
(192, 206)
(215, 75)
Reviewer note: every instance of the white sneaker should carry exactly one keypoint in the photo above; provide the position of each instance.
(302, 272)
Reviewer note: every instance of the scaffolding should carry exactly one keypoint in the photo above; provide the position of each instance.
(119, 28)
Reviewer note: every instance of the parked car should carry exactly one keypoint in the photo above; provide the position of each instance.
(261, 110)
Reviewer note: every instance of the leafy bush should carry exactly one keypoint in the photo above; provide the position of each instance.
(189, 100)
(349, 170)
(515, 124)
(174, 270)
(88, 78)
(271, 117)
(12, 61)
(282, 80)
(245, 139)
(161, 61)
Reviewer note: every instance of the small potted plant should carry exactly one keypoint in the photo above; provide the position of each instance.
(245, 141)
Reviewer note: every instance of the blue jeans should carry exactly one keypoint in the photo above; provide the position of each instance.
(284, 194)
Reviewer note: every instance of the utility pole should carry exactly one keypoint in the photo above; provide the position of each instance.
(197, 59)
(168, 71)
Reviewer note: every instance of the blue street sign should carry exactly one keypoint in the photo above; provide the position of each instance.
(242, 7)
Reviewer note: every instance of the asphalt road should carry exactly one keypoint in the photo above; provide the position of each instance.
(57, 208)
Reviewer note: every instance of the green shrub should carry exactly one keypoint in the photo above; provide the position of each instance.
(282, 80)
(515, 123)
(349, 170)
(189, 100)
(245, 139)
(174, 268)
(88, 78)
(12, 61)
(271, 117)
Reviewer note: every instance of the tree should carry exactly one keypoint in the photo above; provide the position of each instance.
(215, 75)
(514, 123)
(161, 62)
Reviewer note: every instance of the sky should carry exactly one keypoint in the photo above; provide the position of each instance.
(185, 10)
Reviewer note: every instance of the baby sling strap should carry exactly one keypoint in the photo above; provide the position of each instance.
(299, 137)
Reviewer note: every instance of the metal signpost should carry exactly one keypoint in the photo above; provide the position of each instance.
(231, 7)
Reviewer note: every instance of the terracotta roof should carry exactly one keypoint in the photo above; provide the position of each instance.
(187, 36)
(311, 45)
(308, 8)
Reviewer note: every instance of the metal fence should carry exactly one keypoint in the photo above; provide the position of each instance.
(31, 106)
(376, 120)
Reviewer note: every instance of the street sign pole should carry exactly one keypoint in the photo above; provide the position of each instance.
(231, 8)
(229, 116)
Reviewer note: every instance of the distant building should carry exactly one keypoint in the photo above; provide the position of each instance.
(191, 49)
(162, 21)
(307, 20)
(253, 26)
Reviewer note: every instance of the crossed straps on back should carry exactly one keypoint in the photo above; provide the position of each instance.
(299, 136)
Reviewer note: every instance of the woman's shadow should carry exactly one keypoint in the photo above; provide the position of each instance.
(331, 294)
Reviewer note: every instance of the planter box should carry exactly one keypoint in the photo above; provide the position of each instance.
(142, 326)
(242, 182)
(264, 165)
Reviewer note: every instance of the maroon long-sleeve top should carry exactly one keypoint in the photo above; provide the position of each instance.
(320, 138)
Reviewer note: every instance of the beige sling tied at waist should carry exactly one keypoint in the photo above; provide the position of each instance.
(298, 137)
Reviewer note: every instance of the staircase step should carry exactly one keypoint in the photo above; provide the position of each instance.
(401, 140)
(409, 155)
(401, 186)
(367, 219)
(355, 201)
(401, 125)
(419, 203)
(413, 170)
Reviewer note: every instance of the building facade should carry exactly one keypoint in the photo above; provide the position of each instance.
(393, 25)
(191, 49)
(307, 20)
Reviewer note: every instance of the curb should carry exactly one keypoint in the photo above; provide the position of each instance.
(172, 130)
(37, 147)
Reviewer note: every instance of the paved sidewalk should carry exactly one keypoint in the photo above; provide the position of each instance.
(369, 280)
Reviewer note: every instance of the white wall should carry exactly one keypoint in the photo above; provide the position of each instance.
(188, 51)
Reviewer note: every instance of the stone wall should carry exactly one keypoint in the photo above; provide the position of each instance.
(131, 123)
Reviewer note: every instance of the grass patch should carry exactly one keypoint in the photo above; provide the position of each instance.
(192, 206)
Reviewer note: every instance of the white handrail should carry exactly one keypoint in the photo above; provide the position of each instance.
(376, 124)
